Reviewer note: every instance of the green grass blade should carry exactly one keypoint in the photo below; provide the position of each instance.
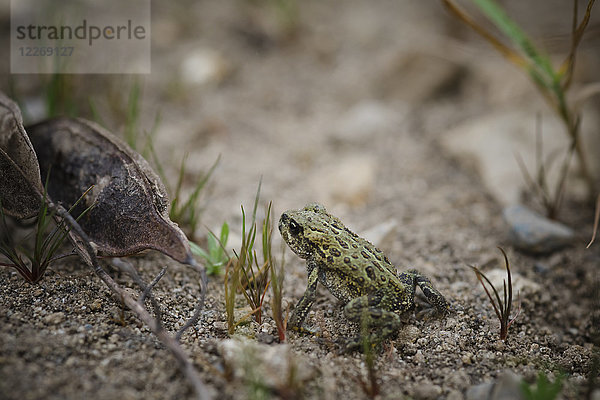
(224, 234)
(176, 211)
(149, 145)
(481, 277)
(191, 201)
(156, 161)
(256, 199)
(503, 22)
(96, 117)
(507, 302)
(199, 251)
(52, 242)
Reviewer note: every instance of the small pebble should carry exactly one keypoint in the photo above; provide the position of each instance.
(426, 390)
(220, 325)
(466, 358)
(410, 333)
(419, 357)
(533, 233)
(534, 347)
(54, 318)
(499, 345)
(96, 305)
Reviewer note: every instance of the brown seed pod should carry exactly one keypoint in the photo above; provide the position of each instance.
(131, 211)
(20, 184)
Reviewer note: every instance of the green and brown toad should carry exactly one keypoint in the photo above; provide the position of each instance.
(354, 271)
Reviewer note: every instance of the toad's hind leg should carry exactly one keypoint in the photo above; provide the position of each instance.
(366, 311)
(433, 296)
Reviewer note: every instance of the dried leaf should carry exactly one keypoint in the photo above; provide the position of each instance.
(131, 211)
(20, 184)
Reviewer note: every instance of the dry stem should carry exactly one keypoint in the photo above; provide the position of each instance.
(138, 309)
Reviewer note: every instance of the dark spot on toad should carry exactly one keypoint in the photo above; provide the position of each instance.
(370, 272)
(342, 243)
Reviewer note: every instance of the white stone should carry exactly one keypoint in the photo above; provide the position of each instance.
(202, 66)
(273, 364)
(493, 141)
(350, 180)
(364, 122)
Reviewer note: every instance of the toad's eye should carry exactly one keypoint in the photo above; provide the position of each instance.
(295, 229)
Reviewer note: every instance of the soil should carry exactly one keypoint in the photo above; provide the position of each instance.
(347, 108)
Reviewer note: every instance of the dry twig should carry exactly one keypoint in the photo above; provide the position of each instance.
(138, 309)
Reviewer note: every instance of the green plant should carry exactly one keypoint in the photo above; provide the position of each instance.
(58, 96)
(501, 308)
(542, 389)
(255, 276)
(132, 130)
(552, 83)
(187, 212)
(245, 273)
(215, 256)
(32, 264)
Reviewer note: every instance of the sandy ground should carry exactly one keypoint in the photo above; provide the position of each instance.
(349, 109)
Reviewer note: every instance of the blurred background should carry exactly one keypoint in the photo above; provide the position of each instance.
(313, 95)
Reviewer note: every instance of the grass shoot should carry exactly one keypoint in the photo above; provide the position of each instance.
(32, 264)
(244, 273)
(502, 308)
(215, 256)
(186, 212)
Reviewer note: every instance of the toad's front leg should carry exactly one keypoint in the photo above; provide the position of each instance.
(301, 310)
